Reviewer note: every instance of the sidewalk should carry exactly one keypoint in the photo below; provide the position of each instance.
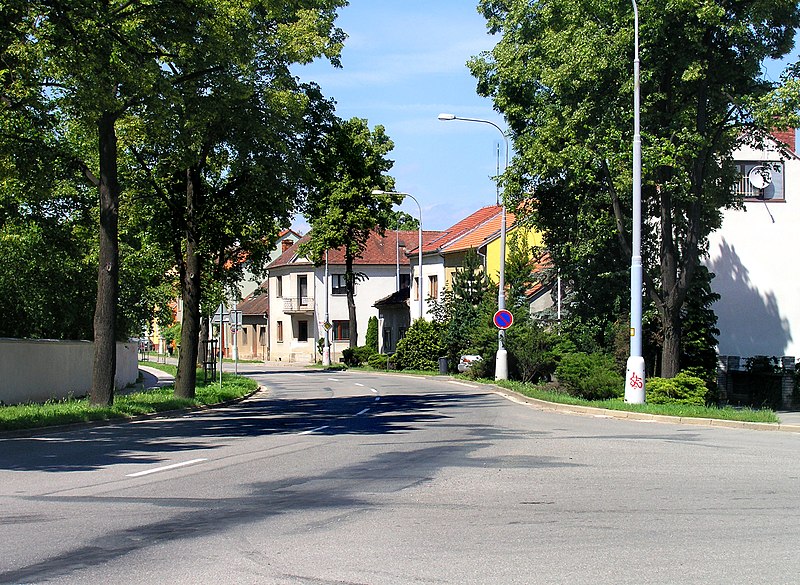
(154, 378)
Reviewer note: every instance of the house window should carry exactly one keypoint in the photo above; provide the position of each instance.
(338, 285)
(262, 336)
(279, 287)
(279, 331)
(244, 336)
(433, 287)
(405, 280)
(416, 288)
(302, 331)
(760, 180)
(341, 330)
(302, 290)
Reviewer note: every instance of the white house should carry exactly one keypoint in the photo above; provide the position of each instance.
(752, 255)
(300, 299)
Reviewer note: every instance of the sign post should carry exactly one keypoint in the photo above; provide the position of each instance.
(503, 319)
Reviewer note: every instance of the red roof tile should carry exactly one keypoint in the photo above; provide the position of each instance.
(379, 249)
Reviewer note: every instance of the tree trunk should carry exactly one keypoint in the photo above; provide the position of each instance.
(105, 316)
(186, 377)
(350, 281)
(671, 350)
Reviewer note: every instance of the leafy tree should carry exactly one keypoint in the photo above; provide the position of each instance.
(351, 164)
(80, 67)
(470, 283)
(223, 153)
(400, 220)
(561, 75)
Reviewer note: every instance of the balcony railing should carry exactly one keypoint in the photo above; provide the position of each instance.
(298, 304)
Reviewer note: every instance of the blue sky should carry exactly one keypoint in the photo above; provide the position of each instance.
(404, 62)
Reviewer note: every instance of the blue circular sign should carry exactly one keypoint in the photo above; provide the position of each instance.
(503, 319)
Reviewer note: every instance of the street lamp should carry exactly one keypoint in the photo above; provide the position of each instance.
(501, 361)
(634, 372)
(419, 207)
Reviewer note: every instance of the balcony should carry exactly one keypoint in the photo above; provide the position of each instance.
(298, 305)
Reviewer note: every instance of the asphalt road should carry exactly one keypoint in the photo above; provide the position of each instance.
(351, 478)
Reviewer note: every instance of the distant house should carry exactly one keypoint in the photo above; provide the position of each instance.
(751, 255)
(480, 231)
(302, 294)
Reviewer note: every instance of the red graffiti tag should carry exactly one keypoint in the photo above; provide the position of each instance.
(636, 381)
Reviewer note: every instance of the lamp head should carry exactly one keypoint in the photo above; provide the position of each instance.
(446, 117)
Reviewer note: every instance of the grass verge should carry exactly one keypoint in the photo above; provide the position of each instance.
(542, 392)
(684, 410)
(78, 410)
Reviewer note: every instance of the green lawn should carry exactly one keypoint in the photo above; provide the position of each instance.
(542, 392)
(78, 410)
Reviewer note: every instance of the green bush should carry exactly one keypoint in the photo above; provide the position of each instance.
(379, 361)
(592, 376)
(531, 352)
(421, 347)
(682, 389)
(355, 356)
(371, 341)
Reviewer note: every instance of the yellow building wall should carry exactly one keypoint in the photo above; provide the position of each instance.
(533, 237)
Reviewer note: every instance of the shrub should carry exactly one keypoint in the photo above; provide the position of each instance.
(421, 347)
(379, 361)
(592, 376)
(355, 356)
(530, 351)
(682, 389)
(371, 341)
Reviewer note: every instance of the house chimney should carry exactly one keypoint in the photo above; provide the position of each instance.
(285, 245)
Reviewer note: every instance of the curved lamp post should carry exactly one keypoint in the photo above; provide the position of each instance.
(419, 207)
(634, 372)
(501, 361)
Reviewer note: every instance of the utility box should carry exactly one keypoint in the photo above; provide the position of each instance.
(442, 366)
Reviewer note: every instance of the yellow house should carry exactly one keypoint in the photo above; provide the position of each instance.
(444, 254)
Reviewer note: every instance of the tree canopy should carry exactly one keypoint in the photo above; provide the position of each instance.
(561, 74)
(350, 165)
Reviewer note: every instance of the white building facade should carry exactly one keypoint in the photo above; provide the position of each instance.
(753, 256)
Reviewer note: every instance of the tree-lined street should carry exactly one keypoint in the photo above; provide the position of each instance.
(351, 477)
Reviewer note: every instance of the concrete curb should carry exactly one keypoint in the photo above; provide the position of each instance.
(640, 416)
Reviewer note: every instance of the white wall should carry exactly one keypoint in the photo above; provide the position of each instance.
(754, 257)
(41, 369)
(381, 283)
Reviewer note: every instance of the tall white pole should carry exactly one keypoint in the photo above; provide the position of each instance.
(634, 372)
(501, 360)
(326, 350)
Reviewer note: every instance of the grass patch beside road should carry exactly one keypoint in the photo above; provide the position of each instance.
(682, 410)
(78, 410)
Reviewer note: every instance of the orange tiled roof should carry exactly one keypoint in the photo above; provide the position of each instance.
(470, 232)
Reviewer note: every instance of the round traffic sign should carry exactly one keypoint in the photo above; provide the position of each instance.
(503, 319)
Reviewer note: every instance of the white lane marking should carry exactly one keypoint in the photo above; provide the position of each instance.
(334, 379)
(165, 468)
(301, 375)
(313, 430)
(362, 411)
(462, 384)
(373, 389)
(357, 384)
